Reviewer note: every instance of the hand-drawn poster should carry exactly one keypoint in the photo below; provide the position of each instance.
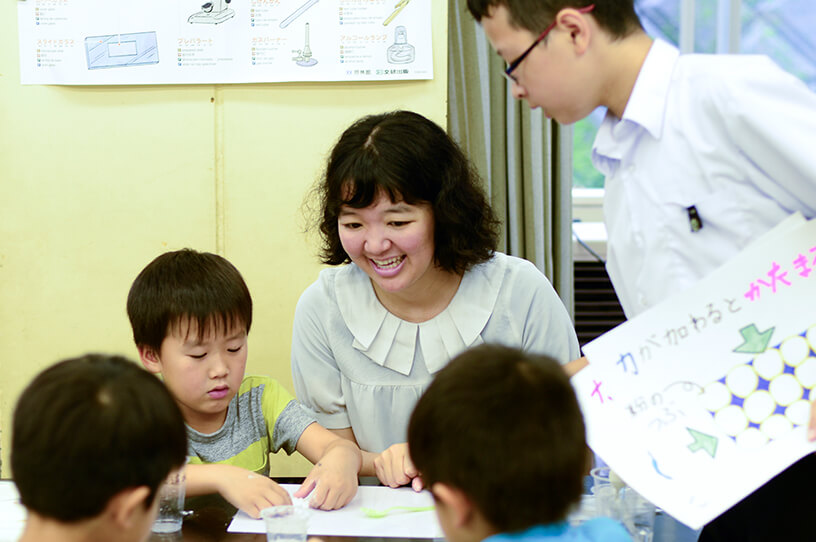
(104, 42)
(705, 397)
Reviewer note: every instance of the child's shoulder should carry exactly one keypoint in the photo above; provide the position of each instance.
(259, 383)
(601, 529)
(264, 396)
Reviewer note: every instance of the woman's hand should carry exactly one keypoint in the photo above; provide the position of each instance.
(572, 367)
(394, 467)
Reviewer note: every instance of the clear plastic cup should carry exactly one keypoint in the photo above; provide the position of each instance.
(606, 493)
(171, 503)
(285, 523)
(616, 500)
(637, 514)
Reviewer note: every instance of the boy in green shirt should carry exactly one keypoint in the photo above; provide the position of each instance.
(191, 313)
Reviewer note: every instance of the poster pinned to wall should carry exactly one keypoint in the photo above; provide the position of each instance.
(702, 399)
(99, 42)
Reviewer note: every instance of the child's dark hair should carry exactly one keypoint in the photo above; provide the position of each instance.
(86, 429)
(617, 17)
(504, 427)
(199, 289)
(408, 157)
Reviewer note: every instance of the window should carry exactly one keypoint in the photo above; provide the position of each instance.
(781, 29)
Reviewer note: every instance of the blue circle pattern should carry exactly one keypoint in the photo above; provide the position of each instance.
(764, 384)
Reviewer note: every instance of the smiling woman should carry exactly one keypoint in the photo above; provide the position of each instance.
(393, 243)
(417, 280)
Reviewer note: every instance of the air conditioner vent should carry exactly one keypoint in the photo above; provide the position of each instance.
(597, 309)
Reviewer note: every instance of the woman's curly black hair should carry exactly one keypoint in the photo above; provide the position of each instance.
(411, 159)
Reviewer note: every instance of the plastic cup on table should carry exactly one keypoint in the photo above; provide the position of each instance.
(285, 523)
(616, 500)
(606, 493)
(637, 514)
(171, 503)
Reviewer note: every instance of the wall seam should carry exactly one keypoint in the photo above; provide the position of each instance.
(218, 127)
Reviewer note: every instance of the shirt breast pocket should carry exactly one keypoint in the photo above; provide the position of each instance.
(693, 237)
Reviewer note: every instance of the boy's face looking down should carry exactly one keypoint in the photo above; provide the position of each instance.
(203, 371)
(556, 74)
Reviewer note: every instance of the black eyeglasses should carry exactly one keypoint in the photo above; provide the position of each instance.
(508, 72)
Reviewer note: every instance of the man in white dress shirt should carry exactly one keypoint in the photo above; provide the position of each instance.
(702, 154)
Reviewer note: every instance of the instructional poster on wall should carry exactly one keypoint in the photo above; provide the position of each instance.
(702, 399)
(111, 42)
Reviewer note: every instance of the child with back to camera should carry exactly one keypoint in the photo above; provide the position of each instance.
(93, 438)
(701, 154)
(498, 438)
(191, 313)
(417, 280)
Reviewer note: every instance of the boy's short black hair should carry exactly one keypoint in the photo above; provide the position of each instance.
(617, 17)
(505, 428)
(187, 287)
(409, 158)
(86, 429)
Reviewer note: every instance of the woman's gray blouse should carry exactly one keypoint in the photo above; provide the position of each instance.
(355, 364)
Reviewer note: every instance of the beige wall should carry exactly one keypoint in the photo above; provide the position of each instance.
(97, 181)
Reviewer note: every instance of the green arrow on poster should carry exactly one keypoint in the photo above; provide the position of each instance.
(703, 442)
(754, 342)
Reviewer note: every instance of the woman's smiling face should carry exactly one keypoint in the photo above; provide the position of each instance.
(392, 241)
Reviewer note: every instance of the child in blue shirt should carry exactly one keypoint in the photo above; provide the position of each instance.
(498, 438)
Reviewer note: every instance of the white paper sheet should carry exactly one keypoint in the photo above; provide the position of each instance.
(702, 399)
(351, 521)
(12, 513)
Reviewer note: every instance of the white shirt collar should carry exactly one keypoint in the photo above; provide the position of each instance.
(647, 103)
(391, 342)
(645, 108)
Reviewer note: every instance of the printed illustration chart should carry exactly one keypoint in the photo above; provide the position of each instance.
(98, 42)
(702, 399)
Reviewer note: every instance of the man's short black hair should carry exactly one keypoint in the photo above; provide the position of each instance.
(505, 428)
(409, 158)
(617, 17)
(86, 429)
(187, 287)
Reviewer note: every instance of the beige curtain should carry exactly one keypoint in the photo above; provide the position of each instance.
(524, 158)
